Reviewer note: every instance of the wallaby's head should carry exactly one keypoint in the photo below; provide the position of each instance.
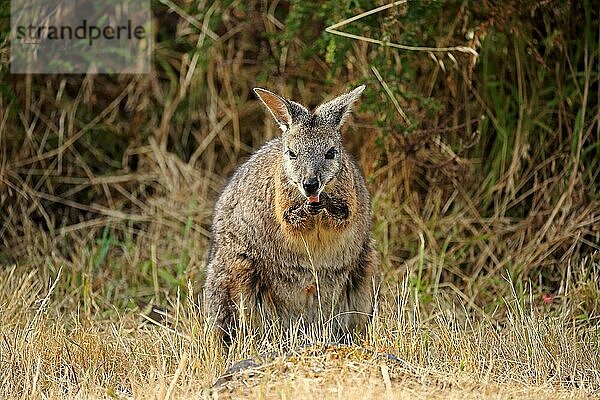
(312, 142)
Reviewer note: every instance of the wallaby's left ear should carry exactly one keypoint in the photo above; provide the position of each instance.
(335, 111)
(285, 112)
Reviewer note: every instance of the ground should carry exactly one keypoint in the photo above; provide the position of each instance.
(49, 351)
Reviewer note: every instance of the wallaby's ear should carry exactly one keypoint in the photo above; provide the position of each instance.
(284, 111)
(335, 111)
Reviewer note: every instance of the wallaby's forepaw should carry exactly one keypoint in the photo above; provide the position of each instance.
(337, 208)
(296, 215)
(315, 208)
(334, 207)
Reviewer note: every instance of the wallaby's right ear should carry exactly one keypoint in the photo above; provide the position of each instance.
(284, 111)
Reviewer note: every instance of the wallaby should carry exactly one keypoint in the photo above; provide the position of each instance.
(291, 231)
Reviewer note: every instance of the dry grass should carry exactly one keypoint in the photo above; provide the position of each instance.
(51, 351)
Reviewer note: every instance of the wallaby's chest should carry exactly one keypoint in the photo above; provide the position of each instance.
(322, 248)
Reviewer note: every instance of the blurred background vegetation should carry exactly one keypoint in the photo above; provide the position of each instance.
(492, 175)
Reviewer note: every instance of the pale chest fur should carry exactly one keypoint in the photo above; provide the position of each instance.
(326, 248)
(317, 257)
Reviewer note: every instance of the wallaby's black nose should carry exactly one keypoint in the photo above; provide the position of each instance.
(311, 185)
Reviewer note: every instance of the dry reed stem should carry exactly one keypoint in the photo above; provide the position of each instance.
(334, 29)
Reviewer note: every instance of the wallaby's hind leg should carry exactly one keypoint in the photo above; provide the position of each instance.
(229, 279)
(220, 306)
(233, 291)
(360, 290)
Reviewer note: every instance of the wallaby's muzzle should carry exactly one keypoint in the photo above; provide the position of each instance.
(310, 186)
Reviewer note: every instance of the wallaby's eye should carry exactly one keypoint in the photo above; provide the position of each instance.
(291, 154)
(330, 153)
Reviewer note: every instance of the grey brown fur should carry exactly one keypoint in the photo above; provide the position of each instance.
(268, 241)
